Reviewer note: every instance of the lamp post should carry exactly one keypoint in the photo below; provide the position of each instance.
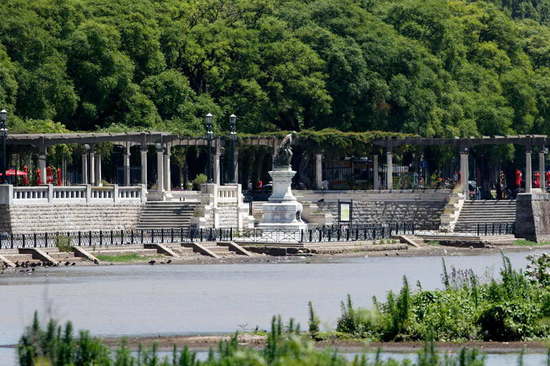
(4, 135)
(209, 136)
(233, 132)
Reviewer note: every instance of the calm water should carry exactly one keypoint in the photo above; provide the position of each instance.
(191, 299)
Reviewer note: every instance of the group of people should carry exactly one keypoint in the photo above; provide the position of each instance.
(503, 191)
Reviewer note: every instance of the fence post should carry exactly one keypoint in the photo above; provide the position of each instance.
(121, 237)
(90, 238)
(100, 237)
(132, 236)
(152, 236)
(24, 241)
(162, 235)
(46, 240)
(111, 237)
(34, 239)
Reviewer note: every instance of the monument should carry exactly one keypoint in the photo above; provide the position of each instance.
(283, 211)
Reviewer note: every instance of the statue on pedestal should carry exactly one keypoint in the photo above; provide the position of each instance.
(283, 156)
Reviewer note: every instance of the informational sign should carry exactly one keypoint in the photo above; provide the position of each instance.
(344, 211)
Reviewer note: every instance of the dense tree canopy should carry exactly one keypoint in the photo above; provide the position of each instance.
(430, 67)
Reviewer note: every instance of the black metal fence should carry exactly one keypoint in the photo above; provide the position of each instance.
(332, 233)
(495, 228)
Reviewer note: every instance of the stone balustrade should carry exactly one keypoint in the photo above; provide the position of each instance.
(82, 194)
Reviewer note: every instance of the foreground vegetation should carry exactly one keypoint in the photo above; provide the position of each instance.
(286, 346)
(513, 308)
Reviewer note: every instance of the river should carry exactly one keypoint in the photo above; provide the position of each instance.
(200, 299)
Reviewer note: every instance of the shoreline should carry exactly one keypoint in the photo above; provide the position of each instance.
(206, 342)
(198, 342)
(424, 251)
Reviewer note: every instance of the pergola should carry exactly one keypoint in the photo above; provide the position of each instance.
(464, 144)
(91, 159)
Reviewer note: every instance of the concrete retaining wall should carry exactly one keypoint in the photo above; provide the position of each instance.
(71, 217)
(424, 208)
(533, 216)
(5, 222)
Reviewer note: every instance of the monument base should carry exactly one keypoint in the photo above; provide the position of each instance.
(283, 211)
(282, 216)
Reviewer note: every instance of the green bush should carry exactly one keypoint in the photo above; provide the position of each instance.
(514, 308)
(199, 179)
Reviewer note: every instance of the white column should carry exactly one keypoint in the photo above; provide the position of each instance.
(167, 171)
(389, 169)
(98, 176)
(319, 171)
(160, 168)
(375, 172)
(85, 168)
(143, 153)
(528, 170)
(92, 167)
(216, 162)
(542, 170)
(464, 171)
(236, 163)
(126, 164)
(42, 165)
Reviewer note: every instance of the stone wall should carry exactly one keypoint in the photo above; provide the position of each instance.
(73, 217)
(533, 216)
(5, 223)
(424, 208)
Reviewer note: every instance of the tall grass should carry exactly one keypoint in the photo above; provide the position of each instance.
(514, 307)
(286, 346)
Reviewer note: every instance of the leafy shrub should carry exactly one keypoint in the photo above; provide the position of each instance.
(199, 179)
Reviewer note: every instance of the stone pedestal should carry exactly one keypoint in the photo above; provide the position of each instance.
(283, 211)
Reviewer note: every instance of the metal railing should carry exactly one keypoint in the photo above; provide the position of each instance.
(495, 228)
(320, 234)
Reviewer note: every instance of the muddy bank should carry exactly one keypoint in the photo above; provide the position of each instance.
(253, 340)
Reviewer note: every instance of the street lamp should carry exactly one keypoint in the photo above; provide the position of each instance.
(209, 136)
(233, 131)
(4, 135)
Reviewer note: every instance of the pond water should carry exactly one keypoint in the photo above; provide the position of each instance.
(200, 299)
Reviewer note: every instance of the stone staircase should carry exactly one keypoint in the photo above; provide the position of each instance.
(220, 250)
(485, 212)
(166, 215)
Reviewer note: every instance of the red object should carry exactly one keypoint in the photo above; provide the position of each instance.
(49, 175)
(59, 177)
(547, 175)
(536, 183)
(518, 178)
(38, 176)
(13, 172)
(26, 176)
(260, 184)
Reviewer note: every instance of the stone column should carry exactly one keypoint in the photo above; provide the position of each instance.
(126, 164)
(528, 170)
(236, 164)
(42, 163)
(98, 176)
(464, 171)
(389, 168)
(375, 172)
(143, 152)
(167, 171)
(85, 167)
(216, 157)
(319, 171)
(160, 168)
(92, 167)
(542, 169)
